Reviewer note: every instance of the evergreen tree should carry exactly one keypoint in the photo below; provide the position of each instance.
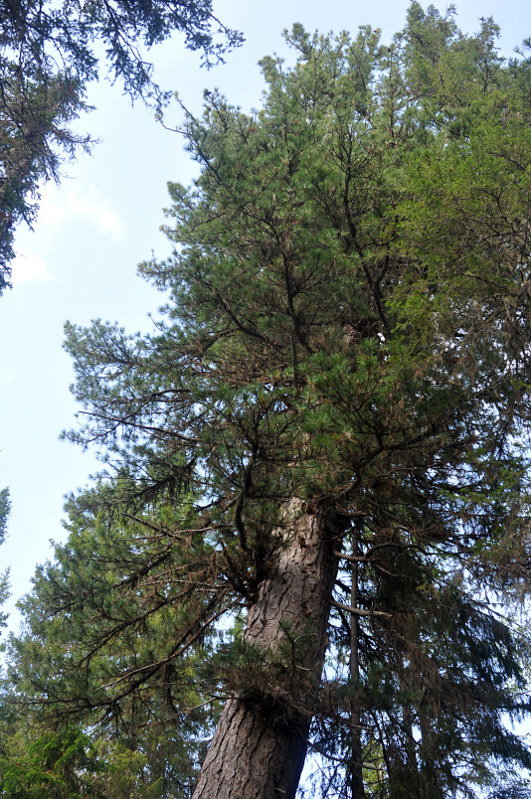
(5, 507)
(128, 584)
(318, 459)
(48, 56)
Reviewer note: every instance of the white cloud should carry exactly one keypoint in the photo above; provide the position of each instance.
(50, 213)
(28, 267)
(98, 212)
(58, 206)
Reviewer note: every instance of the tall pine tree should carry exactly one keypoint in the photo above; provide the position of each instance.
(316, 480)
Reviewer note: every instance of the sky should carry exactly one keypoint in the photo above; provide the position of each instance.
(79, 263)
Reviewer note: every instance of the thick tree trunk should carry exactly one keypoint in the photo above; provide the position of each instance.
(259, 746)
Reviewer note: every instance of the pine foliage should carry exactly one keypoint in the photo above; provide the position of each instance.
(347, 326)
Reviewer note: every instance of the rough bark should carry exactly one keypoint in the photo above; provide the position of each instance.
(260, 743)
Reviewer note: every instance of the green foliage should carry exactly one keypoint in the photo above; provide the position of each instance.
(438, 678)
(48, 56)
(5, 507)
(133, 587)
(35, 112)
(51, 766)
(346, 324)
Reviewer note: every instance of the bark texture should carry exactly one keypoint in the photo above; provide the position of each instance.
(259, 746)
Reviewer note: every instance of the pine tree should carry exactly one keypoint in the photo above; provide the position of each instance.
(332, 410)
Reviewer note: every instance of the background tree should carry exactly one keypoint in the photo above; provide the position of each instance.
(47, 766)
(49, 54)
(155, 713)
(5, 507)
(338, 378)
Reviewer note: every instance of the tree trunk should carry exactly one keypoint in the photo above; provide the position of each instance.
(357, 786)
(259, 746)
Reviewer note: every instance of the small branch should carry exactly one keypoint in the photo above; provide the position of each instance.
(359, 611)
(350, 558)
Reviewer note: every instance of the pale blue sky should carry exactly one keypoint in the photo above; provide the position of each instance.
(80, 262)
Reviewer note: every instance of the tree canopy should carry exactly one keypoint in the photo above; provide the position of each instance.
(311, 530)
(49, 53)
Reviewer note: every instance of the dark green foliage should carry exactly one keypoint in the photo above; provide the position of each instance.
(131, 585)
(35, 111)
(438, 675)
(48, 56)
(5, 507)
(347, 326)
